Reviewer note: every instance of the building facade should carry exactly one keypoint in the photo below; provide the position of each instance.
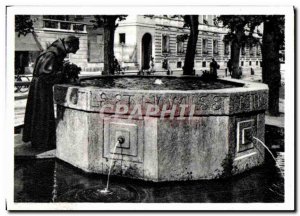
(137, 39)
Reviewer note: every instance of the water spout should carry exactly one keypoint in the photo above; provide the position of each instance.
(120, 140)
(261, 142)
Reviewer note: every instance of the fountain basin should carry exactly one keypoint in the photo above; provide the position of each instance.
(170, 135)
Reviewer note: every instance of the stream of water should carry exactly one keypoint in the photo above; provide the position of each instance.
(266, 147)
(109, 171)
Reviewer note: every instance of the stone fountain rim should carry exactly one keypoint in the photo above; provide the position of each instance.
(251, 97)
(247, 86)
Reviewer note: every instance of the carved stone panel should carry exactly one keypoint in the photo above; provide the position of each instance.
(132, 133)
(245, 131)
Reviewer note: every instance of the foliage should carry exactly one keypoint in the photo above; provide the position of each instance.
(247, 24)
(207, 76)
(241, 30)
(182, 37)
(23, 25)
(244, 24)
(107, 20)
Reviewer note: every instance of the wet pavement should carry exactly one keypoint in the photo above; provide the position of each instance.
(51, 180)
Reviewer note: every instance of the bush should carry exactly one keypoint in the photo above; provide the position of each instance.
(206, 75)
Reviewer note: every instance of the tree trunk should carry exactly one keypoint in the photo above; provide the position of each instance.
(188, 68)
(270, 64)
(235, 58)
(109, 32)
(235, 54)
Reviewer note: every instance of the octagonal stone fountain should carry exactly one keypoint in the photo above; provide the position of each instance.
(203, 131)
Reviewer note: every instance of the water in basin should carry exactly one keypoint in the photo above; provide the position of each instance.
(56, 181)
(157, 83)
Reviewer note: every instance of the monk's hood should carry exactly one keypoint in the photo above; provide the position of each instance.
(58, 48)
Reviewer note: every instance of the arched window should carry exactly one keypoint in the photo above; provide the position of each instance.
(180, 43)
(215, 47)
(204, 46)
(165, 43)
(226, 48)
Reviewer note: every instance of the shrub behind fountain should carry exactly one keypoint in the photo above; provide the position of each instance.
(207, 135)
